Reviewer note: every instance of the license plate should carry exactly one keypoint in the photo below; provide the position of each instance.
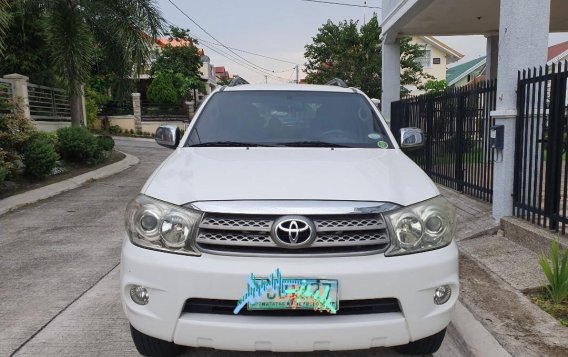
(298, 294)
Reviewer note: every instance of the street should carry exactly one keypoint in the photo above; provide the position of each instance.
(59, 272)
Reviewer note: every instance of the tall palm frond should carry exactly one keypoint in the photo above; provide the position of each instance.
(126, 28)
(71, 44)
(4, 21)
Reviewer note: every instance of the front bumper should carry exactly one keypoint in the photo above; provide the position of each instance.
(172, 279)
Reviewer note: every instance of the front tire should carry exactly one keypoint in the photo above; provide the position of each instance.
(153, 347)
(427, 345)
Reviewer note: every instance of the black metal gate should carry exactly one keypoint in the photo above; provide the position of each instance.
(540, 187)
(456, 123)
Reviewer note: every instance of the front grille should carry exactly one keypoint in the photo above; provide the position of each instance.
(250, 234)
(346, 307)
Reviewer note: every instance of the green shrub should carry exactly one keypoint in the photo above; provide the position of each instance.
(94, 100)
(15, 131)
(114, 129)
(162, 89)
(106, 143)
(131, 131)
(92, 110)
(78, 145)
(139, 132)
(556, 272)
(51, 137)
(40, 155)
(3, 174)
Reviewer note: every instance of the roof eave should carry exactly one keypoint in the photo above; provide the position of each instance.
(465, 73)
(447, 49)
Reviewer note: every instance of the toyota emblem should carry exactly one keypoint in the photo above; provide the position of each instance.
(293, 232)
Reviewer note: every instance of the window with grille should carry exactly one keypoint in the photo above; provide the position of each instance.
(426, 60)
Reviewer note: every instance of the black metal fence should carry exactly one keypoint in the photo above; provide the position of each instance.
(117, 108)
(164, 112)
(541, 141)
(48, 104)
(457, 123)
(5, 96)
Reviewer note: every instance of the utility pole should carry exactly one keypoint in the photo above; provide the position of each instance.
(265, 79)
(297, 74)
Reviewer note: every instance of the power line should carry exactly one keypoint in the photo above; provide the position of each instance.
(205, 43)
(343, 4)
(236, 61)
(213, 37)
(251, 53)
(241, 63)
(231, 58)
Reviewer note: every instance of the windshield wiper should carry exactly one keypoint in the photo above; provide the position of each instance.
(314, 144)
(227, 144)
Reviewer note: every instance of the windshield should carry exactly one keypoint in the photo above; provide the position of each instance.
(288, 118)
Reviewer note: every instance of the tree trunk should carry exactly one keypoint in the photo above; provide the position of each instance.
(76, 110)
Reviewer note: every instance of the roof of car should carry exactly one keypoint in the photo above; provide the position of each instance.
(289, 87)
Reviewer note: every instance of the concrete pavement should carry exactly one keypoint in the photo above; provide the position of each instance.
(54, 251)
(59, 274)
(16, 201)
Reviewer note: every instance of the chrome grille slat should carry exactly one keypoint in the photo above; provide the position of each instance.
(365, 233)
(236, 224)
(331, 225)
(343, 240)
(237, 239)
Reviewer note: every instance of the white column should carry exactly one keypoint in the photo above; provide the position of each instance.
(492, 56)
(20, 92)
(390, 77)
(520, 46)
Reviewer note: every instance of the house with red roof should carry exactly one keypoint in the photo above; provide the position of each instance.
(221, 72)
(558, 53)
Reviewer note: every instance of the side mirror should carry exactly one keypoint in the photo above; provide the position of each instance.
(168, 136)
(412, 138)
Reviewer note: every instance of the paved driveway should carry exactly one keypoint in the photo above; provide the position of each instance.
(59, 273)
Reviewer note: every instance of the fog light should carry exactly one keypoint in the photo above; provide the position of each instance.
(442, 294)
(139, 295)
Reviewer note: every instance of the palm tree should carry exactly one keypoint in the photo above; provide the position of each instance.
(118, 31)
(4, 20)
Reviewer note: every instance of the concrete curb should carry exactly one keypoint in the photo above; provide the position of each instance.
(473, 337)
(13, 202)
(128, 138)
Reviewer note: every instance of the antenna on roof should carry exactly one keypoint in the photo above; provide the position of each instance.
(337, 82)
(238, 81)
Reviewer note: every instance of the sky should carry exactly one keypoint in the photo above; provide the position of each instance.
(278, 29)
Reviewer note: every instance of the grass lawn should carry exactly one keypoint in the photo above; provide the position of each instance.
(474, 156)
(541, 299)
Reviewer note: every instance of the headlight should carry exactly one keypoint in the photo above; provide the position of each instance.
(425, 226)
(157, 225)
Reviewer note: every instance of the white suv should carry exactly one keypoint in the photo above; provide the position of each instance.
(288, 219)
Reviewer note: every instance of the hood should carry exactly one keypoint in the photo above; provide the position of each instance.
(264, 173)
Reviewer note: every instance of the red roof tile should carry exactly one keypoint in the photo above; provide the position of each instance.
(557, 50)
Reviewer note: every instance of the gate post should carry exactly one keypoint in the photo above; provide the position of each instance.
(429, 133)
(460, 140)
(20, 92)
(520, 47)
(137, 111)
(555, 142)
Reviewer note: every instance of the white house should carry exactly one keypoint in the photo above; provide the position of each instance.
(517, 38)
(437, 56)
